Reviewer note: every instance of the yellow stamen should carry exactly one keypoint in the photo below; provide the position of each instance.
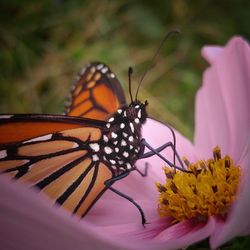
(209, 189)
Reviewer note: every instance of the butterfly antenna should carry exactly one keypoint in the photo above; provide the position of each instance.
(150, 65)
(130, 72)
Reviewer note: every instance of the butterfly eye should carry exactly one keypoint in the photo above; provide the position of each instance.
(146, 103)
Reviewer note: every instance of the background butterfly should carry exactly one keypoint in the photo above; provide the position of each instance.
(74, 158)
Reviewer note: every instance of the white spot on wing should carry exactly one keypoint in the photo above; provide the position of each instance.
(82, 71)
(40, 138)
(104, 70)
(122, 125)
(116, 150)
(108, 150)
(125, 154)
(139, 114)
(119, 111)
(99, 66)
(123, 143)
(111, 119)
(112, 75)
(3, 154)
(131, 138)
(6, 116)
(132, 127)
(95, 146)
(73, 87)
(105, 138)
(112, 161)
(137, 120)
(108, 125)
(128, 165)
(114, 135)
(77, 79)
(75, 145)
(124, 134)
(95, 158)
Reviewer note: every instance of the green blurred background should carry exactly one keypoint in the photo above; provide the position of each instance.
(43, 44)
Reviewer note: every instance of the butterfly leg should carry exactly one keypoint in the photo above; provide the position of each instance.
(159, 149)
(145, 170)
(157, 152)
(109, 184)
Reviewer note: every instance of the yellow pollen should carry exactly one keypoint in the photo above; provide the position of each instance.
(208, 189)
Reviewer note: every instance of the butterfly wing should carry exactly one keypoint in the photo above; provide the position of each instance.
(53, 154)
(96, 93)
(14, 128)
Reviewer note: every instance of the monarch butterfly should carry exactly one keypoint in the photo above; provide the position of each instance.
(74, 158)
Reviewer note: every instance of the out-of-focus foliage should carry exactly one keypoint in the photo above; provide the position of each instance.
(44, 43)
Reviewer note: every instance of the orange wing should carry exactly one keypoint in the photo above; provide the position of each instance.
(55, 157)
(96, 93)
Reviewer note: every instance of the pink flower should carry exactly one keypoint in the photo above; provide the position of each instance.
(222, 118)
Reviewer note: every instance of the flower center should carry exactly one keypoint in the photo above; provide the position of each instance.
(209, 188)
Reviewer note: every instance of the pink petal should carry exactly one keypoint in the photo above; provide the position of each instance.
(212, 53)
(121, 212)
(29, 222)
(237, 223)
(160, 234)
(186, 233)
(222, 104)
(208, 122)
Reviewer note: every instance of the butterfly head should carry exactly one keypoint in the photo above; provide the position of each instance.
(137, 112)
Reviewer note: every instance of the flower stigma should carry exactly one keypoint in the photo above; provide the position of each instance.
(208, 189)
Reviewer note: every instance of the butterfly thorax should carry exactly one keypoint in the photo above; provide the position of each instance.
(120, 146)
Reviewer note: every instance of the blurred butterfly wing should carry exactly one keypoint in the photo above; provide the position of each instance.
(96, 93)
(57, 161)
